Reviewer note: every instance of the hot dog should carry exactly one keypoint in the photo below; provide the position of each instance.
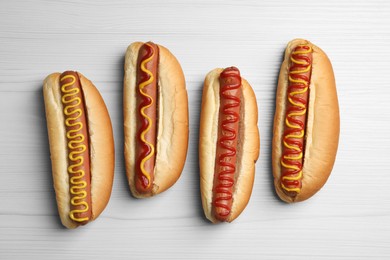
(81, 147)
(306, 122)
(155, 119)
(229, 144)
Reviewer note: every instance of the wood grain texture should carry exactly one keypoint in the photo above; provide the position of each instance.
(347, 219)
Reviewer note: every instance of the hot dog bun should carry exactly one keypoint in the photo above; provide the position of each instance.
(322, 126)
(100, 141)
(172, 118)
(248, 145)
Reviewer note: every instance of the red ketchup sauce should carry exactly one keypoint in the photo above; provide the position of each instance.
(296, 115)
(230, 94)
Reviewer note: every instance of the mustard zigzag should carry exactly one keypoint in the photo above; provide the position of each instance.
(75, 139)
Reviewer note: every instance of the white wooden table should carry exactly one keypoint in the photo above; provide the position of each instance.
(348, 219)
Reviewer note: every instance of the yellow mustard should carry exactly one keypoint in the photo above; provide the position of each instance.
(303, 68)
(142, 85)
(75, 142)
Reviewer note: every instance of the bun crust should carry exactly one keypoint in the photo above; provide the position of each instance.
(172, 135)
(322, 127)
(101, 144)
(249, 142)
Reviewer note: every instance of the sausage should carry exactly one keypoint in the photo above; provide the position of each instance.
(147, 116)
(295, 122)
(78, 147)
(226, 155)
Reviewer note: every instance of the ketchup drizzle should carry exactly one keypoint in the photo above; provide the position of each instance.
(145, 101)
(226, 169)
(293, 137)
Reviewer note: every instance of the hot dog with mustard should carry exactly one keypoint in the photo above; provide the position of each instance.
(155, 119)
(306, 122)
(81, 147)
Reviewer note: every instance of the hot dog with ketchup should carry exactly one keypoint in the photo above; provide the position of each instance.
(81, 147)
(228, 144)
(306, 122)
(155, 119)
